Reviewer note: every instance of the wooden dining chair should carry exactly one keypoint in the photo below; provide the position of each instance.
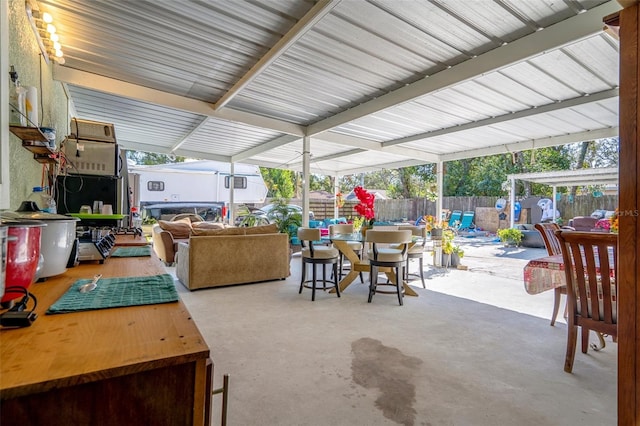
(389, 250)
(551, 242)
(590, 260)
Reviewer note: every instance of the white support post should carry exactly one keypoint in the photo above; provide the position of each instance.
(306, 155)
(512, 203)
(440, 185)
(554, 218)
(232, 209)
(336, 189)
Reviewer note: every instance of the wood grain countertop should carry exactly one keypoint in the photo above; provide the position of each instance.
(74, 348)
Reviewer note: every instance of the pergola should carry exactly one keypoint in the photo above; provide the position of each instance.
(580, 177)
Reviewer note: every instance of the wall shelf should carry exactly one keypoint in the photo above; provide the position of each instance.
(28, 133)
(36, 142)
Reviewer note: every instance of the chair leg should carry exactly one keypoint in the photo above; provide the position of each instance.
(406, 271)
(421, 265)
(399, 279)
(557, 295)
(373, 280)
(335, 278)
(304, 276)
(585, 339)
(572, 336)
(313, 288)
(324, 277)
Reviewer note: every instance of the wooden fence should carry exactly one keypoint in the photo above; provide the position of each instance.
(410, 209)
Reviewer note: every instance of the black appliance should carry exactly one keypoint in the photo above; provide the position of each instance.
(73, 191)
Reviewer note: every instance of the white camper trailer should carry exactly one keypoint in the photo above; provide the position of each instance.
(195, 182)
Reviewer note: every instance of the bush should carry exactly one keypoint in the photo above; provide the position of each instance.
(510, 236)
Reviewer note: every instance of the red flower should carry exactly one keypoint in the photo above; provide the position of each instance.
(365, 207)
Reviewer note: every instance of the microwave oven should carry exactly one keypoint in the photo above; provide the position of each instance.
(92, 130)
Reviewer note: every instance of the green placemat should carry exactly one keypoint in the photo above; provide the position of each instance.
(132, 251)
(117, 292)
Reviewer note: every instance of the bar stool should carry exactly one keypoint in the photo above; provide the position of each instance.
(416, 251)
(356, 246)
(389, 250)
(313, 253)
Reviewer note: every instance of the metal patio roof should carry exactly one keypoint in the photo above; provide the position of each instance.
(374, 84)
(580, 177)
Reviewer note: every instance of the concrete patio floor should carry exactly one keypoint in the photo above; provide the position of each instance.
(473, 349)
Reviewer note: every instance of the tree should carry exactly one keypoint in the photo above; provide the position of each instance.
(152, 158)
(280, 183)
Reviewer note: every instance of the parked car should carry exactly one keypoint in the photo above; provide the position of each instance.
(211, 212)
(269, 207)
(249, 216)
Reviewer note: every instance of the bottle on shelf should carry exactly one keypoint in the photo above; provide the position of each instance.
(17, 94)
(36, 197)
(44, 202)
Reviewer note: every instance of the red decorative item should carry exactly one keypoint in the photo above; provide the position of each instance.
(365, 207)
(23, 255)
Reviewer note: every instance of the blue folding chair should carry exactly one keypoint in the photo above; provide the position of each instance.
(455, 218)
(467, 220)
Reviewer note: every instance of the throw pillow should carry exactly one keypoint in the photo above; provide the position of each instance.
(178, 229)
(262, 229)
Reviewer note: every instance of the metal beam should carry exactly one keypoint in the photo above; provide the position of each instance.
(195, 129)
(551, 38)
(609, 132)
(569, 103)
(371, 145)
(308, 21)
(145, 94)
(203, 155)
(264, 147)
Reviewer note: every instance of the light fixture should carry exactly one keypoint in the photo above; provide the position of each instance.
(46, 34)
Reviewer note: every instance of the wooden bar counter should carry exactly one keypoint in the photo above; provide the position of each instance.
(134, 365)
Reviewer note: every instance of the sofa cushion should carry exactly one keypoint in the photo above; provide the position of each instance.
(198, 232)
(178, 229)
(262, 229)
(207, 225)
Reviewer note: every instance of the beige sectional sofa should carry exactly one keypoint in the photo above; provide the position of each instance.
(213, 258)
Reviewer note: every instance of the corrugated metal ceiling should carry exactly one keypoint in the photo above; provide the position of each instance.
(374, 84)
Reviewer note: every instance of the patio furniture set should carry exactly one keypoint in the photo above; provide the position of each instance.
(388, 250)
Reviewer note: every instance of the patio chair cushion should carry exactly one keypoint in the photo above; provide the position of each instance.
(320, 252)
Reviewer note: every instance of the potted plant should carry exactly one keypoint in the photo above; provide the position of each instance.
(286, 217)
(451, 252)
(510, 236)
(365, 208)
